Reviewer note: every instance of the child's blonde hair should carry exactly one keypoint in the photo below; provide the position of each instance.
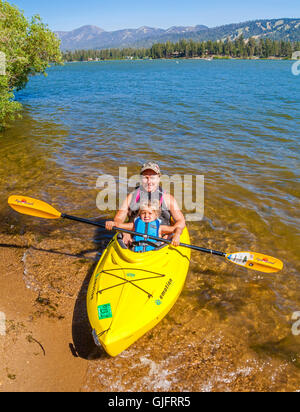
(154, 205)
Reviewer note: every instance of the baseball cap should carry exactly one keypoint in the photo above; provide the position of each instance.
(151, 166)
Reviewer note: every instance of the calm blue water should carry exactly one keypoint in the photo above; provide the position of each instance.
(187, 110)
(236, 122)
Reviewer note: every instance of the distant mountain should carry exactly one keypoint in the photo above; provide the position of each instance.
(92, 37)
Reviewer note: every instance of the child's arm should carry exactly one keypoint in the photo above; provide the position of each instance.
(168, 230)
(109, 225)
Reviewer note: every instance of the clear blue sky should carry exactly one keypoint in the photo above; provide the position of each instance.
(119, 14)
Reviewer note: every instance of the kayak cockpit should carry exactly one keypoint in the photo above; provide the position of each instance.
(156, 245)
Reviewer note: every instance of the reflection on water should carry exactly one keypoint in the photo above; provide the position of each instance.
(229, 121)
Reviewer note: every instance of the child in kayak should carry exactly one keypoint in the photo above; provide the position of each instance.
(148, 223)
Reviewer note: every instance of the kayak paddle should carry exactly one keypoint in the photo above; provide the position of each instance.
(250, 260)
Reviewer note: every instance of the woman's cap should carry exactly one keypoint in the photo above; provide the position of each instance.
(150, 166)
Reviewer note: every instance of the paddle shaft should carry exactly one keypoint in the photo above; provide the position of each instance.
(250, 260)
(90, 222)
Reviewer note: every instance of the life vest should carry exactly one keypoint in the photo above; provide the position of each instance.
(141, 196)
(146, 228)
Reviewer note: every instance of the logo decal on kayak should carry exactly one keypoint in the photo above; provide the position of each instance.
(94, 286)
(167, 287)
(158, 302)
(131, 275)
(104, 311)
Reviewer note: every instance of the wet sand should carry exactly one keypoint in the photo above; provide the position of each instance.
(35, 352)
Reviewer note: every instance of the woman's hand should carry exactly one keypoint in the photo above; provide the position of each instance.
(176, 240)
(109, 225)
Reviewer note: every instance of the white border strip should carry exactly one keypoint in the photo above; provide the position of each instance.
(2, 324)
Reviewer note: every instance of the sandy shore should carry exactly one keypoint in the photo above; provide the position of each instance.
(36, 347)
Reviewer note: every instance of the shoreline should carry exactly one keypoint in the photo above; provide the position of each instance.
(187, 58)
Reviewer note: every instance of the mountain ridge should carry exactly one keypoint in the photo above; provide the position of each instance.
(94, 37)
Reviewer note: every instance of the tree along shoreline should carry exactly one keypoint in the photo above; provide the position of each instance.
(27, 47)
(189, 49)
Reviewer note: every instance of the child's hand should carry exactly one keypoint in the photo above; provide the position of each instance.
(127, 239)
(109, 225)
(176, 240)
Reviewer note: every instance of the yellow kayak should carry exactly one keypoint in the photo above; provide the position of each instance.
(129, 293)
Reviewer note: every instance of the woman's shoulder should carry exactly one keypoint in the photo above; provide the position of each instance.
(170, 201)
(168, 197)
(130, 196)
(134, 192)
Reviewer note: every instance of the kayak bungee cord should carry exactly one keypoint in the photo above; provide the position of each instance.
(159, 276)
(128, 281)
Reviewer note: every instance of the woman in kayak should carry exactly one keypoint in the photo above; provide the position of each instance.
(150, 190)
(148, 223)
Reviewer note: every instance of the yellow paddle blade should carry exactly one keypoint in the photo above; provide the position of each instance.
(33, 207)
(255, 261)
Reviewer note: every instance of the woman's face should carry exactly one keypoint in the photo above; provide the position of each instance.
(150, 180)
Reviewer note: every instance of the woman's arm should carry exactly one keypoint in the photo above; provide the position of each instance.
(122, 214)
(121, 217)
(175, 212)
(109, 225)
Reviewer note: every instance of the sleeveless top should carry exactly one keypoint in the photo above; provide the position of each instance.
(146, 228)
(141, 196)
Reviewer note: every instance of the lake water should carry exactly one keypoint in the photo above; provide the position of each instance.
(235, 122)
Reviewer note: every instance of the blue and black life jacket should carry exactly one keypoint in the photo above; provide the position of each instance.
(151, 228)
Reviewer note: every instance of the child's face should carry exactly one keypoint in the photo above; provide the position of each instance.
(148, 215)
